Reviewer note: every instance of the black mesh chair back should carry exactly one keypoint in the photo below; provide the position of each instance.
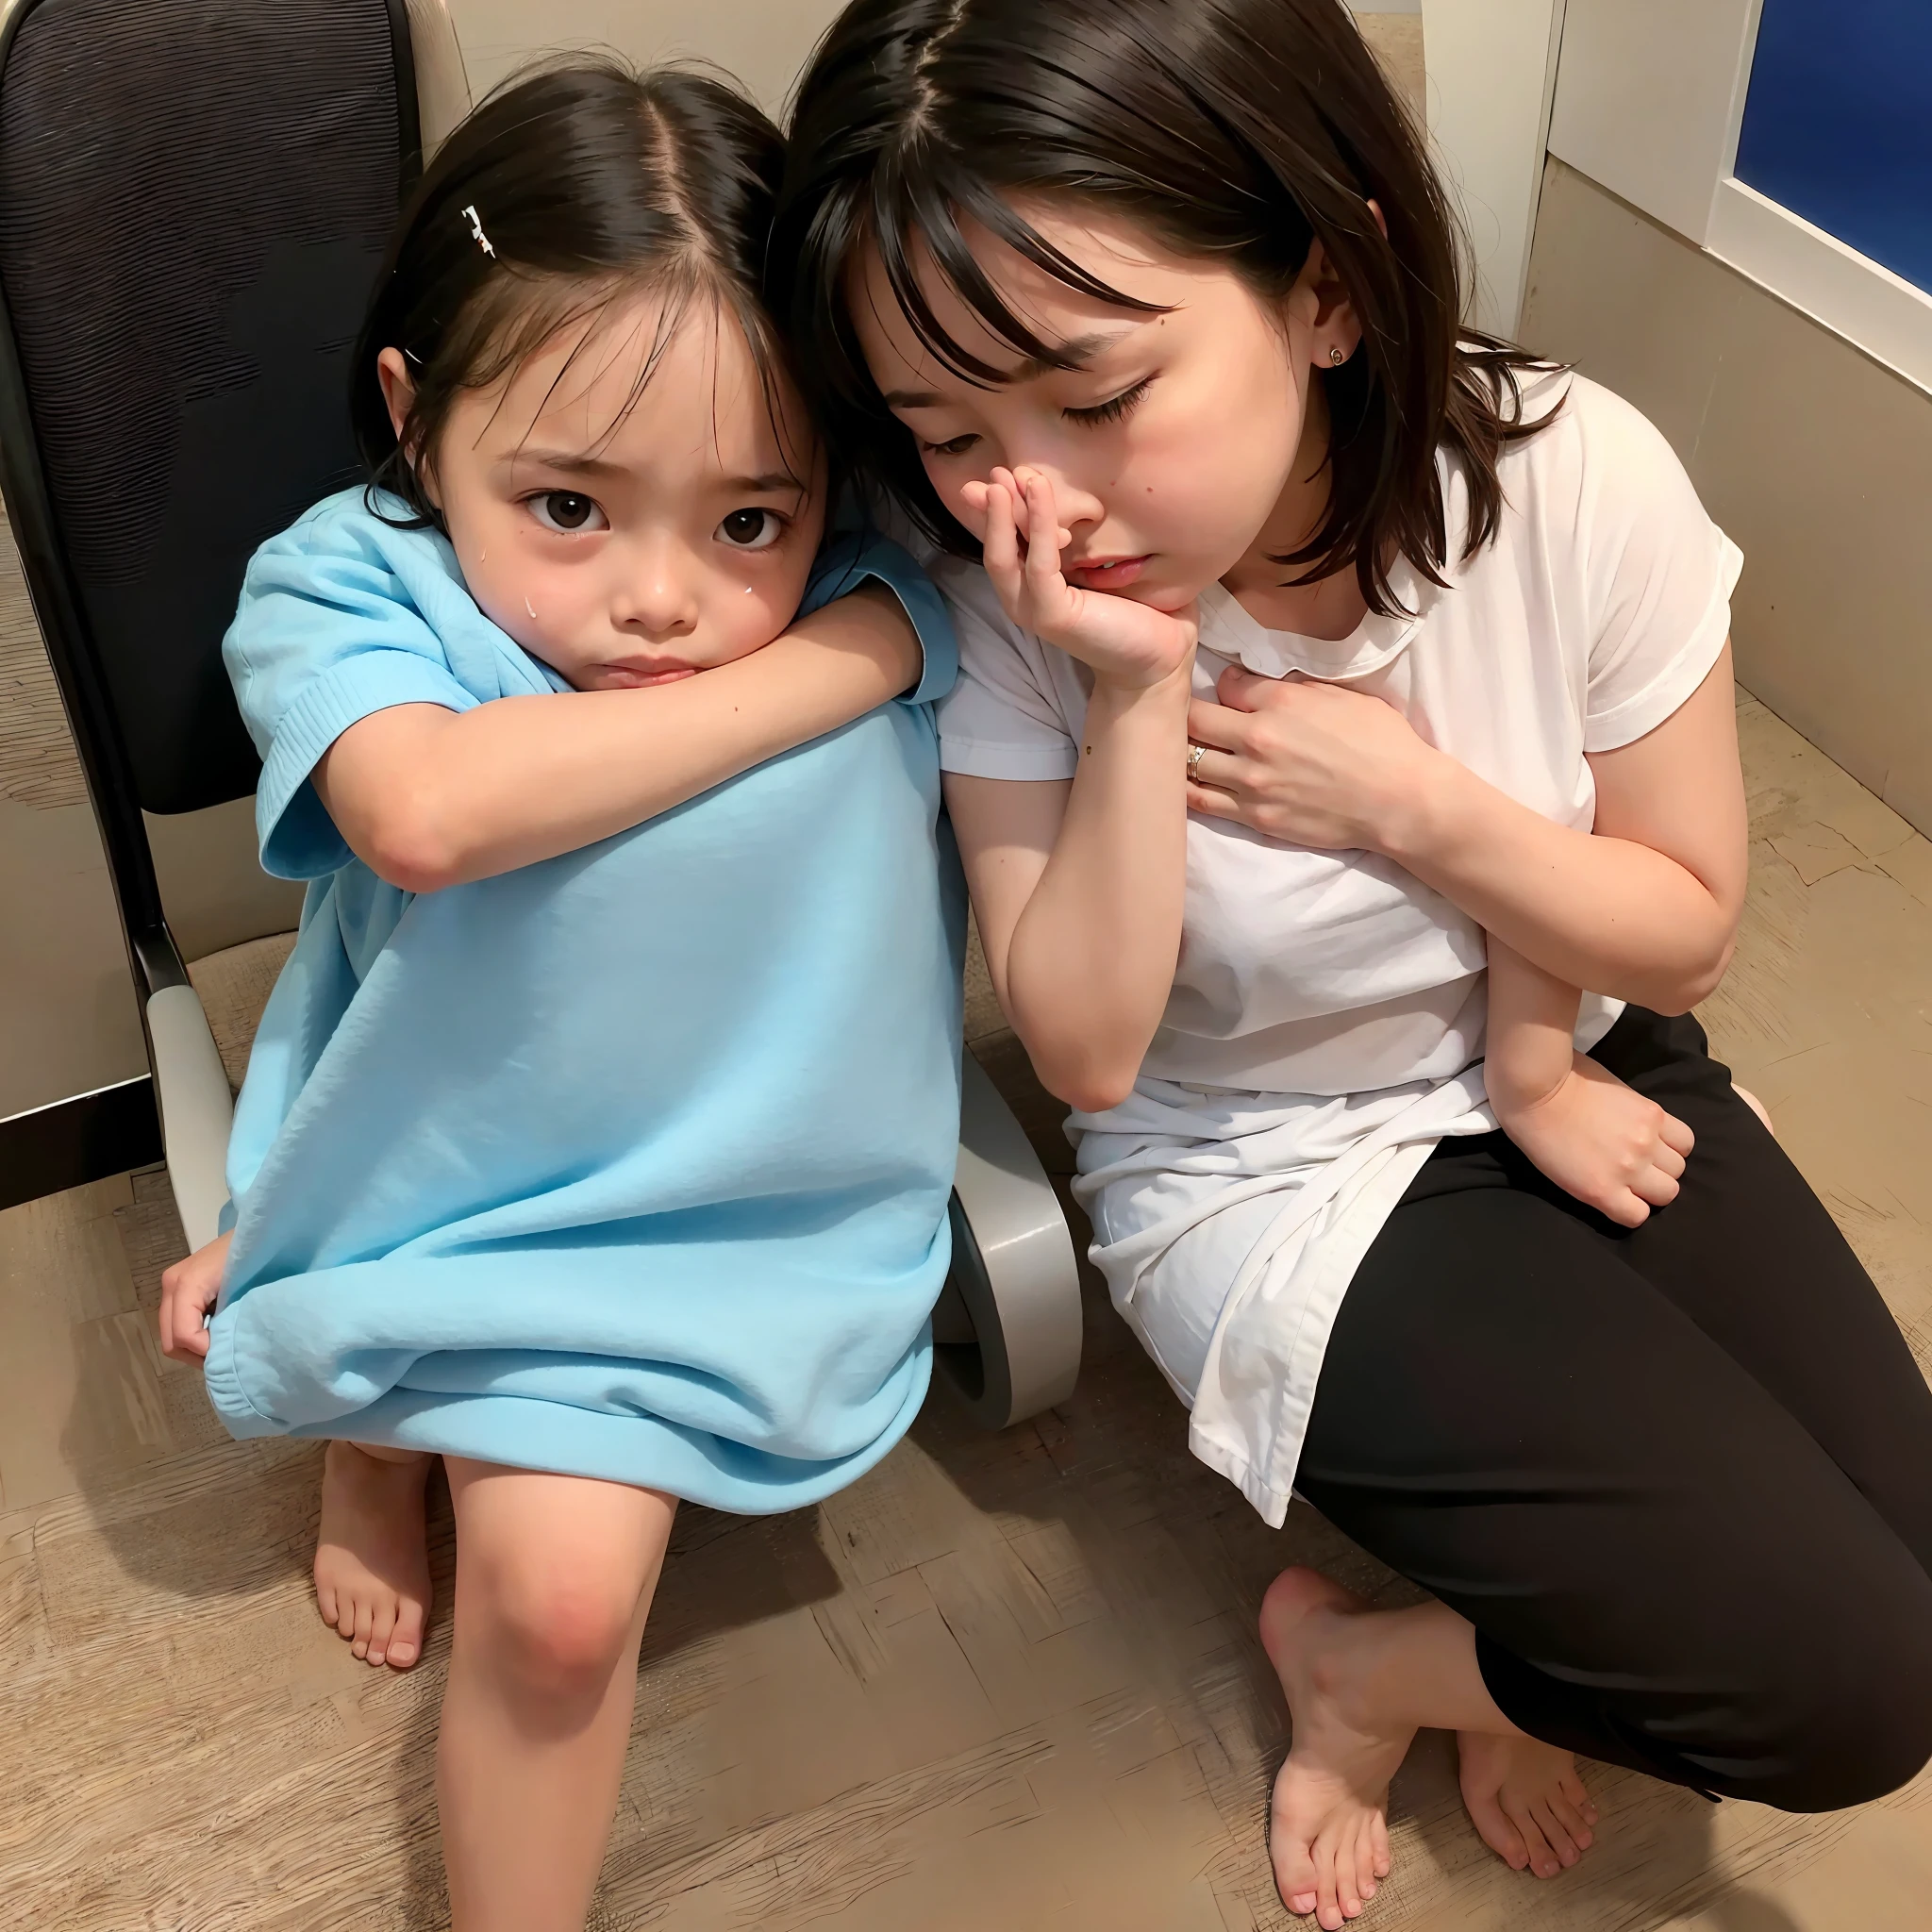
(194, 198)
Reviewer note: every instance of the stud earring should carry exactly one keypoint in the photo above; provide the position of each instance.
(1336, 357)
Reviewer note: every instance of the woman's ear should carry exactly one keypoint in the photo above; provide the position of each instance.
(1321, 303)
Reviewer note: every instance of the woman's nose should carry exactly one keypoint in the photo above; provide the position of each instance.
(1077, 503)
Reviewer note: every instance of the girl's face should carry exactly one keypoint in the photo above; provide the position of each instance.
(1182, 443)
(629, 538)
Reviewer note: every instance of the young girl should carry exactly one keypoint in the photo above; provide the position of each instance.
(1151, 307)
(609, 1164)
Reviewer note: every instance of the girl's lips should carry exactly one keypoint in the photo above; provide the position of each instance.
(634, 678)
(1115, 574)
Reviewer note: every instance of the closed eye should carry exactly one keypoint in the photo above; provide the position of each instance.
(1115, 408)
(957, 447)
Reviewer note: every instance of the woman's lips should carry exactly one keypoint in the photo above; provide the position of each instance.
(1108, 574)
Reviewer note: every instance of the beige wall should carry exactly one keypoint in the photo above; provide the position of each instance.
(1815, 460)
(763, 42)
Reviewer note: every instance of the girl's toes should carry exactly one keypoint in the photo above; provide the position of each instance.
(325, 1602)
(405, 1644)
(365, 1622)
(382, 1624)
(1378, 1842)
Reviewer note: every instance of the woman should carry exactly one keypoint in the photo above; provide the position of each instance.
(1151, 306)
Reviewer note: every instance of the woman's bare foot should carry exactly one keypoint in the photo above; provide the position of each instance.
(1525, 1799)
(1328, 1830)
(372, 1558)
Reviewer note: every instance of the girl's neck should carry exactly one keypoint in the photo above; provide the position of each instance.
(1331, 607)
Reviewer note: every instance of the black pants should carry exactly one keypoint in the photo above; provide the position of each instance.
(1678, 1478)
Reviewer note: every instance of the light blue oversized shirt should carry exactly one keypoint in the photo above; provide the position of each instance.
(630, 1164)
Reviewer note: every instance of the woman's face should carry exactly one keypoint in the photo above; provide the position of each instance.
(1182, 441)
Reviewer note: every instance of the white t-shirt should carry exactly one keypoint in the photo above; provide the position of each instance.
(1597, 611)
(1328, 1009)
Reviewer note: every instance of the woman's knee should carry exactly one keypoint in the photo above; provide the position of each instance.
(1854, 1701)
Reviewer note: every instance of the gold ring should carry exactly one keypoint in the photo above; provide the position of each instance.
(1195, 754)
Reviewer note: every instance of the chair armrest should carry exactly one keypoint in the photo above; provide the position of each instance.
(196, 1109)
(1014, 1278)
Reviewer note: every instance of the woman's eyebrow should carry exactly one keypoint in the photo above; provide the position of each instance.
(1076, 350)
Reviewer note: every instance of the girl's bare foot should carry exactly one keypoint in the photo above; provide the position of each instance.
(372, 1559)
(1328, 1831)
(1525, 1799)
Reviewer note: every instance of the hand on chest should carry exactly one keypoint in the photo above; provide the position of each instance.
(1485, 678)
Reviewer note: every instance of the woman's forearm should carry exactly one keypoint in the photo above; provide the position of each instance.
(430, 798)
(1092, 954)
(1607, 913)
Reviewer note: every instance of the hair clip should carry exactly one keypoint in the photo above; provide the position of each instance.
(476, 230)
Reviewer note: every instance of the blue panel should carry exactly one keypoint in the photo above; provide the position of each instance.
(1838, 123)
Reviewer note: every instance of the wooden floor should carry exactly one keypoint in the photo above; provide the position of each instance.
(1004, 1681)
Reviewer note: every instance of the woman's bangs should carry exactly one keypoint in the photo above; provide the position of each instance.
(916, 214)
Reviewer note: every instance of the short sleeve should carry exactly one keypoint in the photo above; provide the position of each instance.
(849, 561)
(324, 635)
(1661, 574)
(1007, 717)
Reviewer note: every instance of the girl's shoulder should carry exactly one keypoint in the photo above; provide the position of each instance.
(360, 525)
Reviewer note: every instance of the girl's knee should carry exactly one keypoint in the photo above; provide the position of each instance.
(556, 1632)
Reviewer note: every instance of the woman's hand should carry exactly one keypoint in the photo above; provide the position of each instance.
(187, 1293)
(1124, 643)
(1309, 764)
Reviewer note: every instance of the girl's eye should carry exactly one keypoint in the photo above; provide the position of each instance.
(751, 529)
(1116, 407)
(956, 447)
(567, 511)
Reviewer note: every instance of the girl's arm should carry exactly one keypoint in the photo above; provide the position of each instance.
(428, 797)
(1645, 907)
(1078, 885)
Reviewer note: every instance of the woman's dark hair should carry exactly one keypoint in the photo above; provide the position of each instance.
(566, 189)
(1235, 130)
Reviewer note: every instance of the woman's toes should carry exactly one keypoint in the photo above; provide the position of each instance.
(365, 1623)
(1378, 1845)
(1339, 1902)
(1576, 1795)
(1571, 1821)
(1365, 1863)
(1294, 1873)
(1555, 1836)
(1496, 1830)
(1542, 1860)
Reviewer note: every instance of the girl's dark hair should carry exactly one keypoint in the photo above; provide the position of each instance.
(568, 189)
(1235, 130)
